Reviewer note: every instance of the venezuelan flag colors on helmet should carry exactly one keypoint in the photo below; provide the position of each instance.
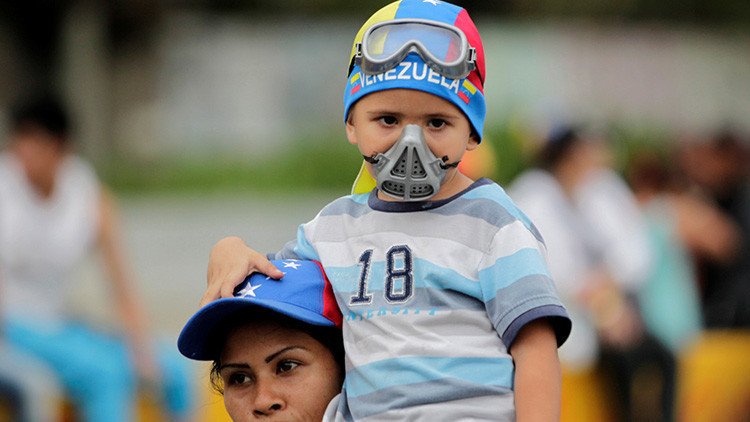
(413, 72)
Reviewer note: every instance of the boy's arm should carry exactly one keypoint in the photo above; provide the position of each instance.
(230, 261)
(538, 378)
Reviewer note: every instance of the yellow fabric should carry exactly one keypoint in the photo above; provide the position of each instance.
(364, 182)
(713, 383)
(715, 378)
(583, 397)
(384, 14)
(212, 408)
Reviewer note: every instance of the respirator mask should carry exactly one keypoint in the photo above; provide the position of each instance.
(409, 171)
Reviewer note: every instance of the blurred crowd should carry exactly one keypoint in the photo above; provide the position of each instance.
(650, 253)
(649, 256)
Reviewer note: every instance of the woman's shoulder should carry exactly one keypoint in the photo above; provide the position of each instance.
(78, 176)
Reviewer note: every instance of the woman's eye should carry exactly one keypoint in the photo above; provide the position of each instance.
(286, 366)
(436, 123)
(388, 120)
(238, 378)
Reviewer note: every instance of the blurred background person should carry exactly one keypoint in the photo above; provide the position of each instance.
(29, 390)
(600, 257)
(53, 212)
(718, 169)
(684, 229)
(10, 401)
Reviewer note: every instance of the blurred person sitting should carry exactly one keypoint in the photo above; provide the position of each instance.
(719, 170)
(10, 401)
(678, 225)
(599, 253)
(53, 212)
(28, 388)
(276, 346)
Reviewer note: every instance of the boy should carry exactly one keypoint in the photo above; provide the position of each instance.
(449, 312)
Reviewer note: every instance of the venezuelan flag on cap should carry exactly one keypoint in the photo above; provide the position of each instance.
(466, 94)
(304, 294)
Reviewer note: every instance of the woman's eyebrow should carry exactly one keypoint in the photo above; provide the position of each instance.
(234, 366)
(273, 356)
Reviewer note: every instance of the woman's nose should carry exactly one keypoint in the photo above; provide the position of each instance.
(268, 400)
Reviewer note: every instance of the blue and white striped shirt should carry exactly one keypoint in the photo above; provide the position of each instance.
(433, 295)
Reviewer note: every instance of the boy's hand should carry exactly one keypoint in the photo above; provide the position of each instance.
(230, 262)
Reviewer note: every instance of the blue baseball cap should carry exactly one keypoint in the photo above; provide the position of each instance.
(303, 294)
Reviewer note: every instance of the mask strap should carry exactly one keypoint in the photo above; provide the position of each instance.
(445, 165)
(371, 160)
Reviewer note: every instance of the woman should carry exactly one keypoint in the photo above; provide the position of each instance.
(600, 257)
(276, 345)
(55, 213)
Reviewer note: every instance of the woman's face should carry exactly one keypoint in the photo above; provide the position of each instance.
(40, 154)
(277, 373)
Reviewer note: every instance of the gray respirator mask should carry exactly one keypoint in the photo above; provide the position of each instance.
(409, 171)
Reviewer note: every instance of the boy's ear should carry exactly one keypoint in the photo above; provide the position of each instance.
(473, 142)
(351, 133)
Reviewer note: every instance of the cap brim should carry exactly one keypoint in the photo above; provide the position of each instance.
(198, 339)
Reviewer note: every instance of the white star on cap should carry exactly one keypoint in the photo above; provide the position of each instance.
(292, 264)
(432, 2)
(249, 290)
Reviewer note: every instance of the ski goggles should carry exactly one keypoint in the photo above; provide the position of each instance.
(443, 47)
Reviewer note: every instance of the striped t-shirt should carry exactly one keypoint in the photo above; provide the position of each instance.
(433, 294)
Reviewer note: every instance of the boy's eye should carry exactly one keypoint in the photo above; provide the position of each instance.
(238, 378)
(388, 120)
(436, 123)
(286, 366)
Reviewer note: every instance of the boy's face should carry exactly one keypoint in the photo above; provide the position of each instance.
(376, 121)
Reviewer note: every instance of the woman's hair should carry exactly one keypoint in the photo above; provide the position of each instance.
(45, 112)
(330, 337)
(556, 147)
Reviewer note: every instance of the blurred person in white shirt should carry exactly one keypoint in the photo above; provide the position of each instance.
(53, 213)
(600, 256)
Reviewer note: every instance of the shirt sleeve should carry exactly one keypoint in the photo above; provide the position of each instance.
(516, 285)
(299, 248)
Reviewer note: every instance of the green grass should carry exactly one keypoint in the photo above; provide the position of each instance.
(320, 166)
(325, 164)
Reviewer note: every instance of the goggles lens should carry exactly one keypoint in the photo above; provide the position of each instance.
(441, 46)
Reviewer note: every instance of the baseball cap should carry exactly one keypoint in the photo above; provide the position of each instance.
(466, 94)
(303, 293)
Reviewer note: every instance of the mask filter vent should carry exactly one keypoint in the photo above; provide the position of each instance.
(409, 170)
(421, 191)
(417, 169)
(418, 172)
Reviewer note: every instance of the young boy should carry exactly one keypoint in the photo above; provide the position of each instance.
(449, 311)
